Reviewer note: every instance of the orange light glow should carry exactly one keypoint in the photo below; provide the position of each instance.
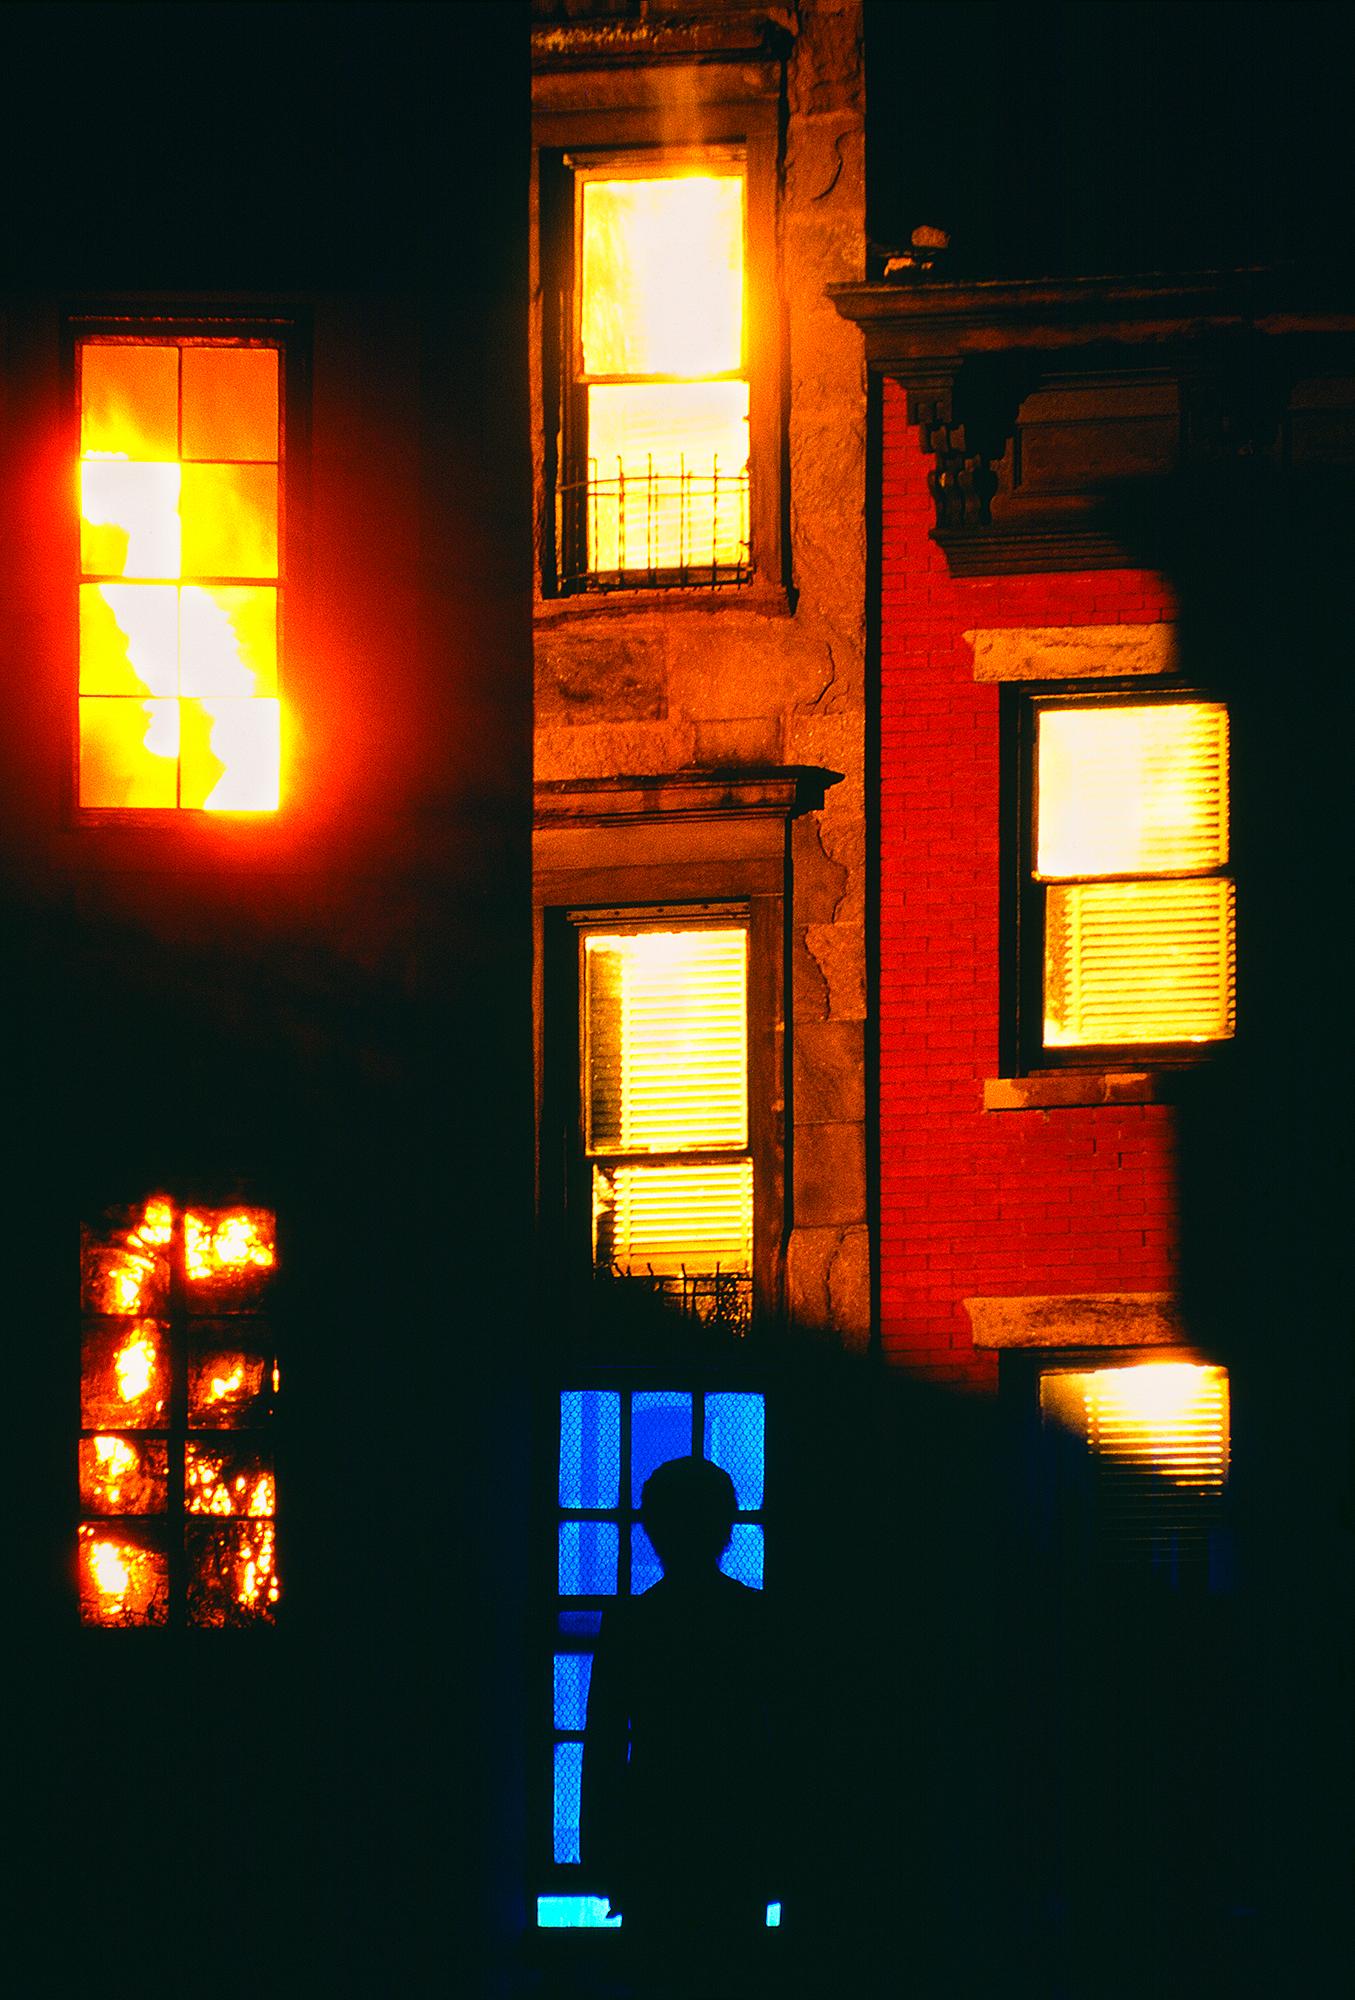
(227, 1243)
(136, 1370)
(1165, 1418)
(662, 275)
(122, 1582)
(178, 679)
(120, 1475)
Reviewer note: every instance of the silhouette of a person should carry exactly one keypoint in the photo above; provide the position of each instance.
(678, 1818)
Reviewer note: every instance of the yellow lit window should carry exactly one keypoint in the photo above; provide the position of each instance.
(1131, 847)
(178, 1382)
(660, 485)
(180, 460)
(1156, 1435)
(665, 1099)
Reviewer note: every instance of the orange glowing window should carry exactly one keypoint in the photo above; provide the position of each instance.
(1130, 859)
(178, 1385)
(180, 574)
(657, 491)
(665, 1099)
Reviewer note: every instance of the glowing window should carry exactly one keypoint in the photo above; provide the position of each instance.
(657, 491)
(180, 573)
(1130, 854)
(610, 1441)
(665, 1111)
(1155, 1435)
(178, 1384)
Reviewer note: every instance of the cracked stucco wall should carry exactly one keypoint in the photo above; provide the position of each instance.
(654, 690)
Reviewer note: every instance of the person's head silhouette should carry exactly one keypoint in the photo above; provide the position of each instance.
(688, 1508)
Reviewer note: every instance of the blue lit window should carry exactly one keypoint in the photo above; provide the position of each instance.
(610, 1442)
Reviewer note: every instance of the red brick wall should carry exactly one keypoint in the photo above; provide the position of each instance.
(976, 1203)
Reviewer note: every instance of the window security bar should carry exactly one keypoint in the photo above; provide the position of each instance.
(719, 1300)
(656, 529)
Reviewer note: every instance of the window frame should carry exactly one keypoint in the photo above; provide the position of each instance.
(1023, 922)
(178, 326)
(588, 148)
(567, 1190)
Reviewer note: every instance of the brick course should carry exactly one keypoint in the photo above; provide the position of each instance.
(1070, 1200)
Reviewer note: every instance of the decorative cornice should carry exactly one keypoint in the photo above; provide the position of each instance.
(782, 791)
(740, 35)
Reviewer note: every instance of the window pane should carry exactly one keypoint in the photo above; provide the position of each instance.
(129, 639)
(229, 639)
(1156, 1436)
(129, 752)
(587, 1558)
(1138, 962)
(733, 1438)
(573, 1913)
(645, 1567)
(231, 754)
(674, 1218)
(590, 1448)
(660, 1429)
(129, 519)
(129, 399)
(123, 1475)
(662, 276)
(573, 1672)
(124, 1575)
(230, 520)
(579, 1624)
(228, 1480)
(230, 1255)
(667, 465)
(743, 1558)
(121, 1271)
(230, 402)
(568, 1780)
(124, 1376)
(1132, 791)
(232, 1573)
(667, 1040)
(228, 1386)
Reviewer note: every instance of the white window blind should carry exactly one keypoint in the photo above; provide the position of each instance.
(666, 1078)
(1157, 1434)
(1138, 794)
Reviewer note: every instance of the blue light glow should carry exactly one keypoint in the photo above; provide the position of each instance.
(587, 1562)
(573, 1672)
(576, 1913)
(590, 1448)
(568, 1777)
(734, 1439)
(743, 1558)
(660, 1429)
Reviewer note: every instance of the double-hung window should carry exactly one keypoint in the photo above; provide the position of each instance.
(665, 1109)
(180, 572)
(1127, 917)
(655, 485)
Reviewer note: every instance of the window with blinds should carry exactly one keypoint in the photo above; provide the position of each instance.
(1131, 854)
(665, 1102)
(1156, 1438)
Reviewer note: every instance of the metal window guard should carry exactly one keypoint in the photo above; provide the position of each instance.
(719, 1300)
(657, 530)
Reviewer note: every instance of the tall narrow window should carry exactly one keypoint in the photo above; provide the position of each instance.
(178, 1384)
(665, 1112)
(609, 1442)
(657, 490)
(1130, 853)
(180, 462)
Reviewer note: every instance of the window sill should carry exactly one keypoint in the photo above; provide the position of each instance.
(1083, 1319)
(1054, 1090)
(762, 600)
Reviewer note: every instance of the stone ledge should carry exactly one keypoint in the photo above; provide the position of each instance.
(1087, 1319)
(1073, 652)
(1057, 1088)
